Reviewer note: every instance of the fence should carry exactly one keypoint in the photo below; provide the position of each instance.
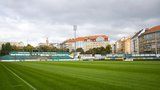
(58, 56)
(36, 55)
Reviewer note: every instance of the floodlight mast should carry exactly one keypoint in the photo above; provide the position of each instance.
(75, 35)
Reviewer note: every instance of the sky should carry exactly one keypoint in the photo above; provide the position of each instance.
(32, 21)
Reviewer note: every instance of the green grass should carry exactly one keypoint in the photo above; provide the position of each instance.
(116, 75)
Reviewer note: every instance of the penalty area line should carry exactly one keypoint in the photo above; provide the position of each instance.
(19, 77)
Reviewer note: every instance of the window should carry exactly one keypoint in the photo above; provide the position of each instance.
(158, 45)
(158, 34)
(100, 39)
(149, 37)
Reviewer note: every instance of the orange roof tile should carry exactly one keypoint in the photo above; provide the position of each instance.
(153, 29)
(93, 37)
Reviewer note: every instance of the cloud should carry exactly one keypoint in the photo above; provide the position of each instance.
(34, 20)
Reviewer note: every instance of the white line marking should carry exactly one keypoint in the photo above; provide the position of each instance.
(17, 85)
(19, 77)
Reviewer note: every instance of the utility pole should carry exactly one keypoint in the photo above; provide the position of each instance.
(75, 35)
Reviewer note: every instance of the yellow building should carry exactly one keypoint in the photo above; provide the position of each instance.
(123, 45)
(127, 43)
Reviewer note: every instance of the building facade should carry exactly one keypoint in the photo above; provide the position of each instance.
(135, 42)
(149, 41)
(127, 46)
(47, 43)
(86, 43)
(122, 46)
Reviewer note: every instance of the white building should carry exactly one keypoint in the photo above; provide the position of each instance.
(87, 42)
(135, 42)
(47, 43)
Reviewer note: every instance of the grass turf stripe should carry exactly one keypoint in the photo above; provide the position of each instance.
(19, 77)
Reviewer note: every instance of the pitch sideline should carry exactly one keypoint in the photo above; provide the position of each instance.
(19, 77)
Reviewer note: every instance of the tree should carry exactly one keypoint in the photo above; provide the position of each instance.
(80, 50)
(100, 50)
(54, 49)
(108, 49)
(6, 49)
(3, 50)
(16, 48)
(45, 48)
(28, 48)
(89, 51)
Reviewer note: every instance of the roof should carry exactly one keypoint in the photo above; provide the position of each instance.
(85, 38)
(153, 29)
(137, 33)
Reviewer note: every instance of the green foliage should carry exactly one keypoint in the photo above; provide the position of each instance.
(100, 50)
(108, 49)
(44, 48)
(51, 49)
(28, 48)
(16, 48)
(6, 48)
(63, 50)
(80, 50)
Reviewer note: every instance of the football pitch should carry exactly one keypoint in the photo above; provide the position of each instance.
(83, 75)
